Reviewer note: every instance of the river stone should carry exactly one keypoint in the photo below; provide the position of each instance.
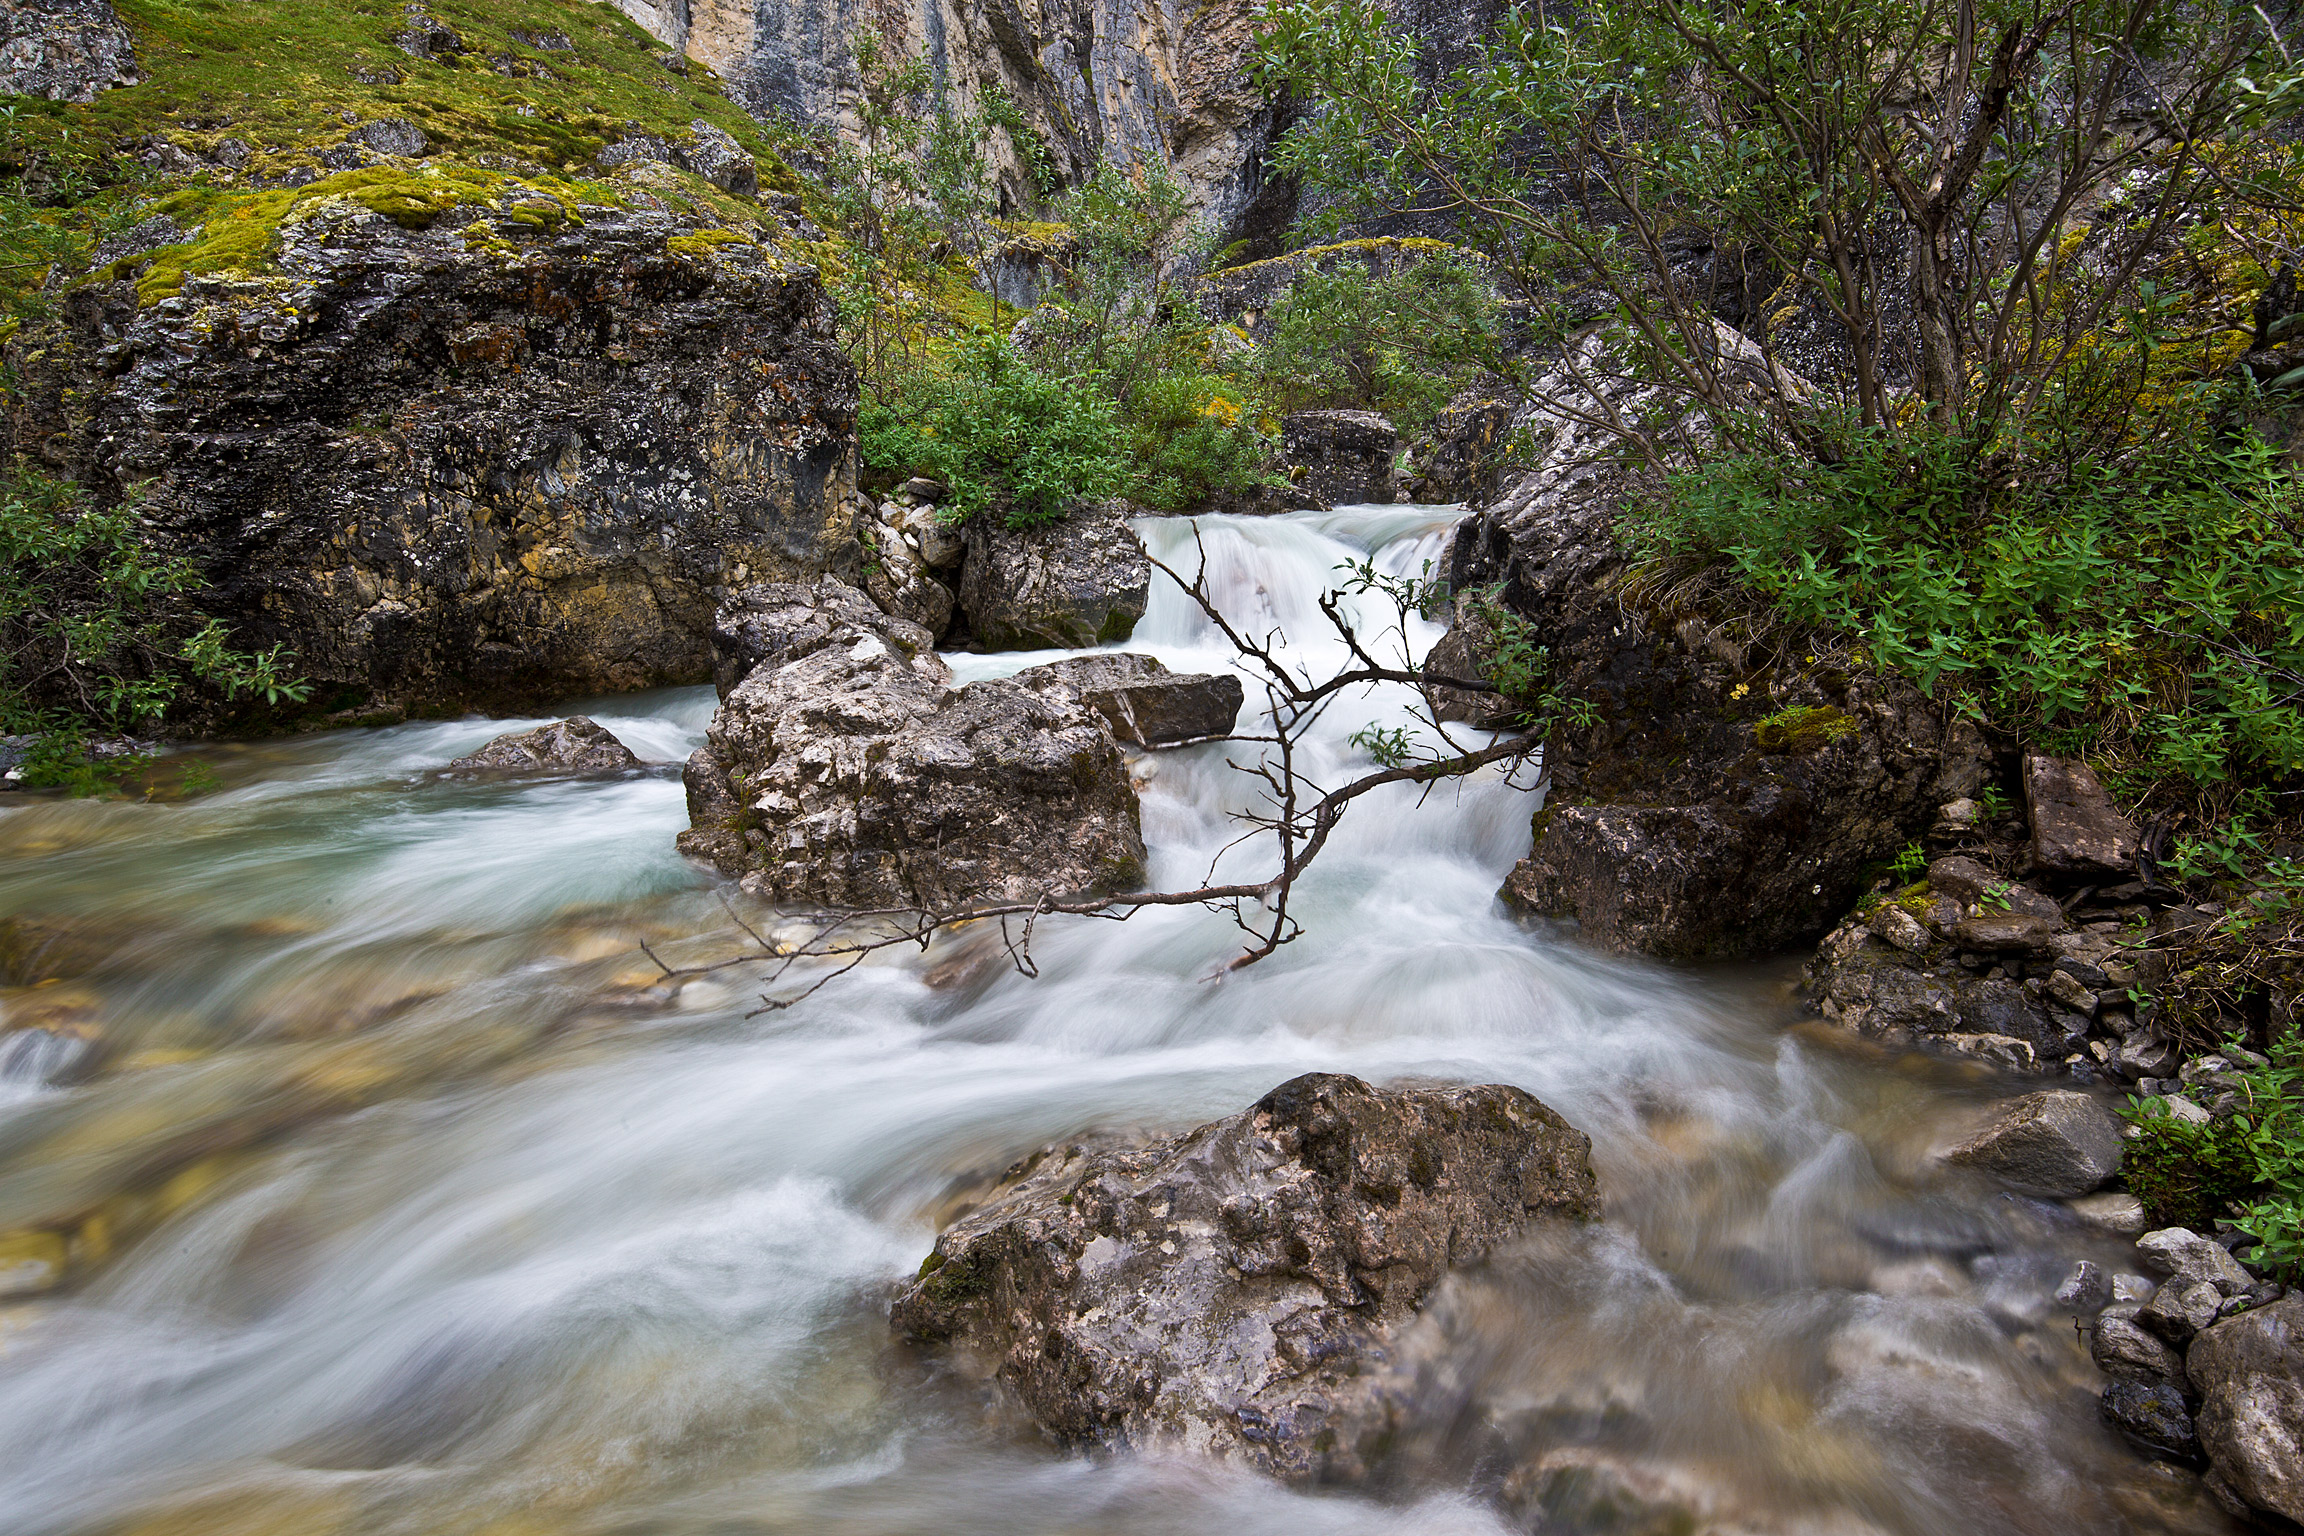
(2076, 830)
(1228, 1291)
(847, 769)
(574, 745)
(1144, 703)
(2249, 1371)
(2006, 933)
(2181, 1308)
(64, 50)
(782, 621)
(1973, 885)
(2053, 1143)
(1063, 586)
(2125, 1352)
(2153, 1418)
(2180, 1253)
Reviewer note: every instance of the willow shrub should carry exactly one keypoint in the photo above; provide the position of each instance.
(2151, 613)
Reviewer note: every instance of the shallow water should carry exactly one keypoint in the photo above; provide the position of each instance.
(402, 1195)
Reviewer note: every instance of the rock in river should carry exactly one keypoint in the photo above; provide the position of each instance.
(1144, 703)
(1064, 585)
(2055, 1143)
(2249, 1371)
(847, 769)
(1229, 1290)
(574, 745)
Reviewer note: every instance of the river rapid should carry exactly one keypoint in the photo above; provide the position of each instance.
(401, 1194)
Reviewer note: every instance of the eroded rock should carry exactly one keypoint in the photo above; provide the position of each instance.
(2249, 1371)
(1339, 457)
(1227, 1290)
(64, 50)
(447, 477)
(2054, 1143)
(577, 744)
(1066, 585)
(845, 768)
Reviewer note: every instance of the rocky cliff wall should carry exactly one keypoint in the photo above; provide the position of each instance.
(1128, 81)
(507, 456)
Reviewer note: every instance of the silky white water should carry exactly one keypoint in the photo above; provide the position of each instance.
(403, 1196)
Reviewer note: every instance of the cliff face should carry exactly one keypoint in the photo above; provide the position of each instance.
(506, 456)
(1132, 81)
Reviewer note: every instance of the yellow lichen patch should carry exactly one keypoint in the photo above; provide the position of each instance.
(705, 243)
(1375, 244)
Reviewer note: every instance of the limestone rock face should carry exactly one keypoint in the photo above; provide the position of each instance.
(2249, 1370)
(64, 50)
(1063, 586)
(1230, 1290)
(2054, 1143)
(450, 471)
(1713, 808)
(1142, 702)
(844, 768)
(577, 744)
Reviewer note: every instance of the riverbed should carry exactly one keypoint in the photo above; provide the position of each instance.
(385, 1184)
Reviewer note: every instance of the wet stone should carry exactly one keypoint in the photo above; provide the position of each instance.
(574, 745)
(2151, 1416)
(2125, 1352)
(2054, 1143)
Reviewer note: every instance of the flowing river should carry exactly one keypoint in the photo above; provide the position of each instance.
(399, 1194)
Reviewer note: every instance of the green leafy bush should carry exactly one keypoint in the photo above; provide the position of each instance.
(100, 632)
(1004, 436)
(1193, 437)
(2150, 611)
(1402, 342)
(2187, 1174)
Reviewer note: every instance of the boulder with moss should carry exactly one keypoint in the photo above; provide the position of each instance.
(1711, 798)
(457, 438)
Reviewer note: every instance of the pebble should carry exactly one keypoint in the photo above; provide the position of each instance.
(2086, 1289)
(2113, 1210)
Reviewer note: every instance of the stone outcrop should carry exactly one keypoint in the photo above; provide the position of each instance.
(1232, 1290)
(1721, 803)
(577, 744)
(1065, 585)
(1338, 458)
(64, 50)
(1142, 702)
(510, 455)
(845, 768)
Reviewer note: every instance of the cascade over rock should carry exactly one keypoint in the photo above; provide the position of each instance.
(452, 470)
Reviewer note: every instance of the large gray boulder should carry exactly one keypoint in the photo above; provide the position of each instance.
(2055, 1143)
(2249, 1371)
(577, 744)
(1064, 586)
(1231, 1290)
(65, 50)
(1142, 702)
(846, 768)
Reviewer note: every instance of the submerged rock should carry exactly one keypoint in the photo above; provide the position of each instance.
(1062, 586)
(846, 768)
(1231, 1290)
(2153, 1418)
(1142, 702)
(2054, 1143)
(514, 454)
(574, 745)
(2249, 1371)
